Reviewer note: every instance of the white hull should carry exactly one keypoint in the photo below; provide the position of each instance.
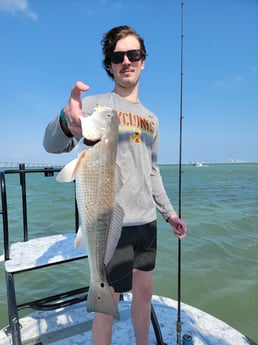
(72, 325)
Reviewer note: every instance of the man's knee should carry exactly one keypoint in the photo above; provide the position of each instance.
(142, 285)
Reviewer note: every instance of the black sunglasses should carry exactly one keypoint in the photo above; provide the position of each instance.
(133, 56)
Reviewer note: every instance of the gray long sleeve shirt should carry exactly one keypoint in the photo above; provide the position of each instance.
(142, 189)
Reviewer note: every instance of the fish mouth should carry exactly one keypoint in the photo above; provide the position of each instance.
(90, 142)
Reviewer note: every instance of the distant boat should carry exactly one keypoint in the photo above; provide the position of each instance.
(200, 165)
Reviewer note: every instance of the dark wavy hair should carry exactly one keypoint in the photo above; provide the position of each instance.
(109, 42)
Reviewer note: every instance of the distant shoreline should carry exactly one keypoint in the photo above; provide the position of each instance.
(210, 163)
(46, 165)
(16, 165)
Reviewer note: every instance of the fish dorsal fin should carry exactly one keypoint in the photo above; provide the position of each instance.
(114, 232)
(68, 173)
(118, 179)
(116, 219)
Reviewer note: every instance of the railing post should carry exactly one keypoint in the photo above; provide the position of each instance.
(24, 200)
(4, 216)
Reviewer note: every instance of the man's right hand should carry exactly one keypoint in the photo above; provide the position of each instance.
(73, 110)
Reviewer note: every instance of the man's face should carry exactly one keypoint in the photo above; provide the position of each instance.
(127, 73)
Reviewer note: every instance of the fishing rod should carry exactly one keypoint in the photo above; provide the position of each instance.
(179, 323)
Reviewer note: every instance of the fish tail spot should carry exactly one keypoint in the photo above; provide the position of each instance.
(102, 285)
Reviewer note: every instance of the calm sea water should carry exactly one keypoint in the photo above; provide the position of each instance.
(219, 256)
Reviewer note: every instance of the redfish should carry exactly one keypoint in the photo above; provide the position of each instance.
(98, 180)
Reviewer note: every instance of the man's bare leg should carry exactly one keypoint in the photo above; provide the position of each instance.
(141, 305)
(102, 327)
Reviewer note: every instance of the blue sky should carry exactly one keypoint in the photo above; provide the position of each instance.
(46, 46)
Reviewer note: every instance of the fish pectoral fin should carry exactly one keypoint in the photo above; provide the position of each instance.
(68, 173)
(80, 240)
(114, 232)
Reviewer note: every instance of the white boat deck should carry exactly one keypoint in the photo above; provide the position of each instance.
(72, 326)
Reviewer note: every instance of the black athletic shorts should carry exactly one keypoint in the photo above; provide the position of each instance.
(136, 249)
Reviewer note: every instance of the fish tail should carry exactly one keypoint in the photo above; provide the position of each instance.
(101, 300)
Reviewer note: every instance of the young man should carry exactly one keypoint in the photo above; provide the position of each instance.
(143, 192)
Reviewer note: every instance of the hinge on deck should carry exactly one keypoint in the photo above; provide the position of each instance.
(36, 341)
(7, 330)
